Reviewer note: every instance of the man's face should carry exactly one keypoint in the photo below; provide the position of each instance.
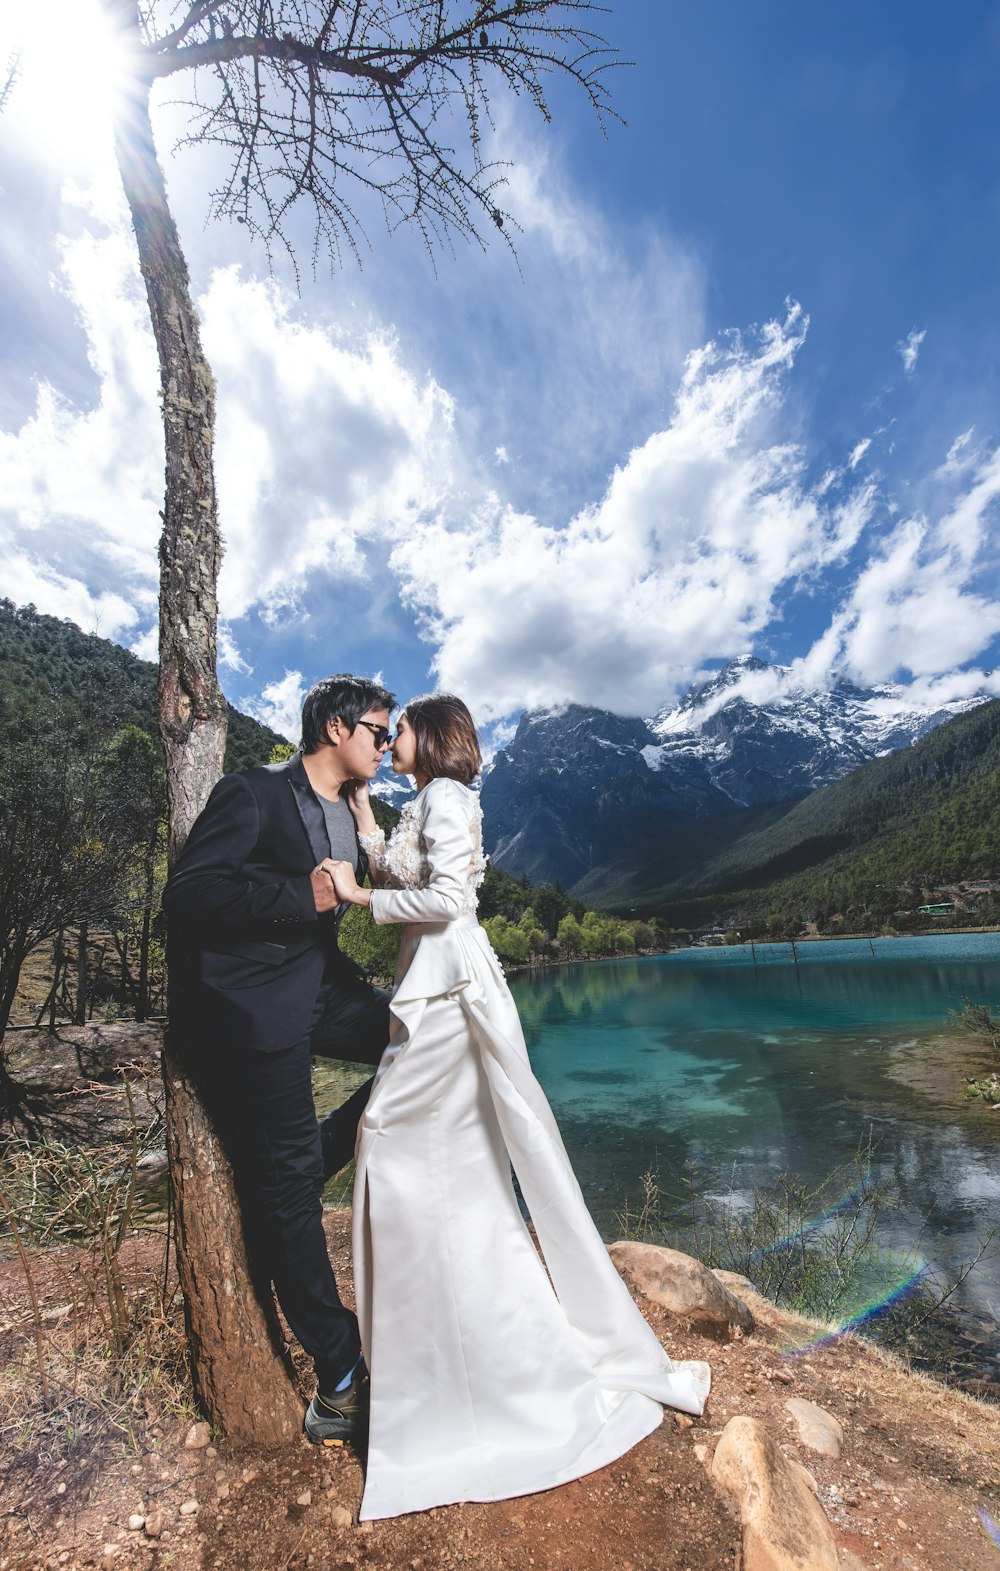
(358, 752)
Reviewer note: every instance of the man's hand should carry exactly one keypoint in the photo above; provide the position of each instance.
(324, 893)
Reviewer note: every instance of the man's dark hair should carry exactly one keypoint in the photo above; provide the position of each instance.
(348, 697)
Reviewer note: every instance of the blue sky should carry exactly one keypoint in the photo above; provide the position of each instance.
(740, 396)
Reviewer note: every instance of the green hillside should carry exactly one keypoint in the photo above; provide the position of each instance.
(45, 659)
(876, 840)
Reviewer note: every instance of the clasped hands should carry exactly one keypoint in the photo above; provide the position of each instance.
(334, 882)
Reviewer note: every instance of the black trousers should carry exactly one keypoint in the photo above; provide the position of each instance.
(283, 1157)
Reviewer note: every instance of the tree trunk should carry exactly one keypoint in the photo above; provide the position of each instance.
(57, 966)
(240, 1376)
(142, 1005)
(80, 1013)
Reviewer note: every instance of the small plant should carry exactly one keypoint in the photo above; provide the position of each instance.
(977, 1020)
(814, 1247)
(102, 1332)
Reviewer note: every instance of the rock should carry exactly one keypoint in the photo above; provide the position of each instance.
(818, 1429)
(136, 1522)
(683, 1421)
(197, 1437)
(340, 1517)
(782, 1376)
(305, 1499)
(154, 1524)
(684, 1286)
(784, 1528)
(735, 1283)
(189, 1508)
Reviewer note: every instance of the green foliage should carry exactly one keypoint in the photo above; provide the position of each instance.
(569, 935)
(44, 659)
(372, 945)
(508, 939)
(281, 752)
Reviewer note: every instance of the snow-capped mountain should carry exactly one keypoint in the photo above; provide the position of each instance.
(577, 786)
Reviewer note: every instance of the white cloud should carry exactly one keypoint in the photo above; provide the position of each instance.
(909, 349)
(926, 602)
(324, 443)
(280, 705)
(679, 562)
(85, 484)
(858, 452)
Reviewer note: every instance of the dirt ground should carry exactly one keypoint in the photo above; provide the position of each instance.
(916, 1488)
(920, 1465)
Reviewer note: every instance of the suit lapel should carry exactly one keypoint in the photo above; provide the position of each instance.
(310, 811)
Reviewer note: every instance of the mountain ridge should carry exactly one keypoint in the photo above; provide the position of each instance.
(577, 787)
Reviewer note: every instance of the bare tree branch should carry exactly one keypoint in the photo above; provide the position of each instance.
(308, 97)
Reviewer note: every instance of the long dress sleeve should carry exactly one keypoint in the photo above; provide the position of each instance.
(446, 832)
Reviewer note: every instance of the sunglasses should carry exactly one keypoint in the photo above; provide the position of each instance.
(383, 736)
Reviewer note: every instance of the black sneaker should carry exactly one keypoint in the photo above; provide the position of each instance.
(330, 1420)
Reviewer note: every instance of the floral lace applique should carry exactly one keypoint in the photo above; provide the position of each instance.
(401, 863)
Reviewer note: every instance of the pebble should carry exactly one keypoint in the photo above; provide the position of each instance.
(341, 1517)
(60, 1489)
(110, 1550)
(154, 1524)
(683, 1421)
(198, 1437)
(305, 1499)
(136, 1522)
(189, 1508)
(782, 1375)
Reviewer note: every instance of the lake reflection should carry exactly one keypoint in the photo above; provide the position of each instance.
(702, 1062)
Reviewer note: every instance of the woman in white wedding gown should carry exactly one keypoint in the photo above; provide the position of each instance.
(492, 1375)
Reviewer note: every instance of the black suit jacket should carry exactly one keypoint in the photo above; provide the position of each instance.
(248, 949)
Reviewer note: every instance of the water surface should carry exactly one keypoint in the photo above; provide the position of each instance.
(728, 1066)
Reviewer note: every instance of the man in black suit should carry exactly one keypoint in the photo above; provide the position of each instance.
(264, 988)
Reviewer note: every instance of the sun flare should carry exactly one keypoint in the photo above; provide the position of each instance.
(70, 66)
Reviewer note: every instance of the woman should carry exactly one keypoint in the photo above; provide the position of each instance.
(492, 1375)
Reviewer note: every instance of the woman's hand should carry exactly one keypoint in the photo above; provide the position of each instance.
(345, 884)
(355, 793)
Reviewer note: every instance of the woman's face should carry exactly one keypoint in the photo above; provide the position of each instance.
(404, 749)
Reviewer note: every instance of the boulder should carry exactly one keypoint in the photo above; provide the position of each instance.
(784, 1528)
(817, 1428)
(684, 1286)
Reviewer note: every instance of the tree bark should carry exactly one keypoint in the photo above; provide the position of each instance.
(240, 1374)
(80, 1012)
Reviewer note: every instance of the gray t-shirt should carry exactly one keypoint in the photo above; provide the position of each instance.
(340, 828)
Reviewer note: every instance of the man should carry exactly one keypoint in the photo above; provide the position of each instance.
(253, 920)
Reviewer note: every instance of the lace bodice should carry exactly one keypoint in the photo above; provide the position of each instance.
(436, 846)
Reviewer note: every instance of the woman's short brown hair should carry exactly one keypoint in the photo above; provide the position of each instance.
(446, 738)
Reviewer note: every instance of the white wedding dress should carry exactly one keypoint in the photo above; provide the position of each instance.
(492, 1375)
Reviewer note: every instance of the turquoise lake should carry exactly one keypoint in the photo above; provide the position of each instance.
(730, 1066)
